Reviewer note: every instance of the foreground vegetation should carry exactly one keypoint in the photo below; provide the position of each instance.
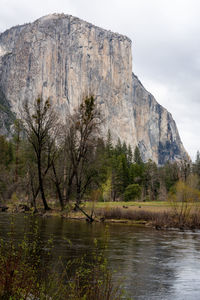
(52, 163)
(26, 271)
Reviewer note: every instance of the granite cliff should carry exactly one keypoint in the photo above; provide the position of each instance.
(64, 58)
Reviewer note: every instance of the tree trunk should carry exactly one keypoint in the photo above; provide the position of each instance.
(58, 187)
(64, 180)
(32, 198)
(33, 203)
(17, 153)
(78, 194)
(69, 187)
(17, 161)
(46, 207)
(89, 218)
(114, 195)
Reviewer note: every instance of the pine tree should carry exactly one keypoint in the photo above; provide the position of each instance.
(109, 146)
(137, 156)
(129, 155)
(196, 165)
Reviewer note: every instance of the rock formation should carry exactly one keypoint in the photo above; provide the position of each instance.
(64, 58)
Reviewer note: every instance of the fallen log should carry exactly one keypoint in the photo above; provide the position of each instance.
(89, 219)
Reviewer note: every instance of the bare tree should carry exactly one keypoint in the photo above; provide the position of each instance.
(17, 137)
(82, 133)
(41, 124)
(57, 173)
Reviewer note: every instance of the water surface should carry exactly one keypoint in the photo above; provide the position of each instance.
(155, 264)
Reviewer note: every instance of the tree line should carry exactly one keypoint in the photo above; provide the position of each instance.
(47, 161)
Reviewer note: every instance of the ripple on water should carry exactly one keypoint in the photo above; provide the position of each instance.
(162, 265)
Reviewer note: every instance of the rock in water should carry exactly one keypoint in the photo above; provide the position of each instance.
(64, 58)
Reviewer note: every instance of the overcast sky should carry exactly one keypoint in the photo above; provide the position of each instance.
(165, 38)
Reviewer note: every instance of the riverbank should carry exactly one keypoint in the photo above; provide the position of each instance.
(157, 214)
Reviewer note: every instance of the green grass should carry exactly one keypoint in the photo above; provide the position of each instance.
(129, 204)
(149, 206)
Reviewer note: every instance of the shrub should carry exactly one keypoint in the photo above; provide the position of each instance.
(26, 273)
(184, 197)
(132, 192)
(21, 267)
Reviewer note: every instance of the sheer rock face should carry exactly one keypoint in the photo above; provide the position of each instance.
(157, 135)
(65, 58)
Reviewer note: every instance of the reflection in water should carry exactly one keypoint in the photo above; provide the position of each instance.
(155, 264)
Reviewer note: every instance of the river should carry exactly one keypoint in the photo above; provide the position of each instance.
(154, 264)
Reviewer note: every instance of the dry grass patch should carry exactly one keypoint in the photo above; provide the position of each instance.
(158, 219)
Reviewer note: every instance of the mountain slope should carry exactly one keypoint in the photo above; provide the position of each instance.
(64, 58)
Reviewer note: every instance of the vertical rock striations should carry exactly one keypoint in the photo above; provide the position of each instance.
(157, 135)
(64, 58)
